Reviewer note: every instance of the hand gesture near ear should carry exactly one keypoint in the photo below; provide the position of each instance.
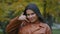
(22, 18)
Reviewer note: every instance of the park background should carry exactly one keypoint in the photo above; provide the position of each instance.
(50, 10)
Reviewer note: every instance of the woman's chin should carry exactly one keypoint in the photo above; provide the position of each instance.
(32, 21)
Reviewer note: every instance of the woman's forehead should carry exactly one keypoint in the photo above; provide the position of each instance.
(29, 11)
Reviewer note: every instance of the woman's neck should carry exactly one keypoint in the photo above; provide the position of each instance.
(36, 22)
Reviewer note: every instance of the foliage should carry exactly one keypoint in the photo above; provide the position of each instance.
(11, 8)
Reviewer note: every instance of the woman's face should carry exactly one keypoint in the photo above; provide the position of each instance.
(31, 16)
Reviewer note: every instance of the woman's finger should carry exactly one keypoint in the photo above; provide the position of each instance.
(27, 20)
(22, 13)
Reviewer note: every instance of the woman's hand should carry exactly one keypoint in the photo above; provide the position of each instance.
(22, 18)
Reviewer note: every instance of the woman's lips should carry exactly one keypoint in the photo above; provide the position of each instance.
(30, 19)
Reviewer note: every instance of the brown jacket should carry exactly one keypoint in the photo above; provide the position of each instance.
(17, 27)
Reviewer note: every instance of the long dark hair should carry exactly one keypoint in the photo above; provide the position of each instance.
(35, 9)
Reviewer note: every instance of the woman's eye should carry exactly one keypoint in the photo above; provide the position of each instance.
(32, 13)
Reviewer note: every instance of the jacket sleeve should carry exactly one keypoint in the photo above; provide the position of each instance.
(48, 30)
(13, 25)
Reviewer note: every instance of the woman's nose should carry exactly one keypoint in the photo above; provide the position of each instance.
(30, 16)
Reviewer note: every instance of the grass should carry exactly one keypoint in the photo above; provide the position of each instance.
(1, 32)
(55, 31)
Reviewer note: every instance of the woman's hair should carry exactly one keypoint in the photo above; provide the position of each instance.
(34, 8)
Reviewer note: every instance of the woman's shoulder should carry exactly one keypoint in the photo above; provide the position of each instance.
(44, 25)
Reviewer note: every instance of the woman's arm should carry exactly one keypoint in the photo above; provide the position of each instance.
(48, 30)
(13, 25)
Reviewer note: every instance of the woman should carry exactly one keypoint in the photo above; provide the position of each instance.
(30, 22)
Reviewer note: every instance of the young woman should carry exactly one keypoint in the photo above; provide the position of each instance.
(29, 22)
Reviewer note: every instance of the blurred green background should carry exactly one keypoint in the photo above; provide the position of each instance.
(50, 10)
